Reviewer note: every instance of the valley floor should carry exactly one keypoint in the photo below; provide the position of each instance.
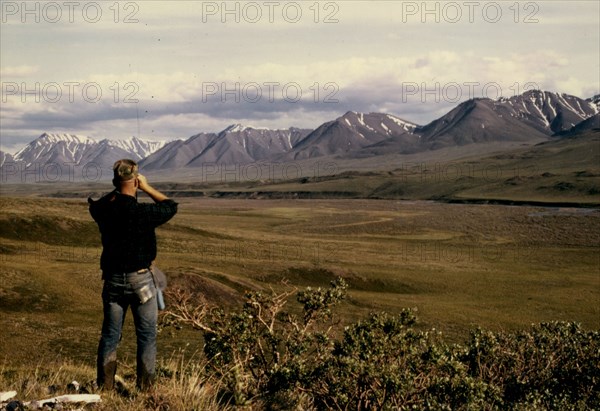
(460, 265)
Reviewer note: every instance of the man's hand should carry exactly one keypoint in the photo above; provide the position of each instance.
(143, 185)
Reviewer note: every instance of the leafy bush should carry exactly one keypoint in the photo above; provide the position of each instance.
(554, 365)
(268, 358)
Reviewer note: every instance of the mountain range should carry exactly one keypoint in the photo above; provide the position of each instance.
(236, 144)
(531, 117)
(54, 156)
(74, 149)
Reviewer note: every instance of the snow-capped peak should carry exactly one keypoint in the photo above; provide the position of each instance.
(595, 101)
(62, 148)
(69, 142)
(67, 138)
(237, 128)
(408, 126)
(376, 122)
(546, 110)
(134, 145)
(234, 128)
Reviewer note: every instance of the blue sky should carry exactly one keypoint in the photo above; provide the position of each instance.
(164, 70)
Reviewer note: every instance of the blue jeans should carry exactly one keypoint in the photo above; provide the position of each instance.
(118, 294)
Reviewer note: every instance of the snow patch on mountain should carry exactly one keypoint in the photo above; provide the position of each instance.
(238, 128)
(410, 127)
(71, 149)
(140, 148)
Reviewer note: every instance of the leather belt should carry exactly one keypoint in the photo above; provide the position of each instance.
(141, 271)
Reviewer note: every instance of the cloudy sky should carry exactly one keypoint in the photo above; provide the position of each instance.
(164, 70)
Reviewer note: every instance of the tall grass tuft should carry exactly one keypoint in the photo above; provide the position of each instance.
(181, 385)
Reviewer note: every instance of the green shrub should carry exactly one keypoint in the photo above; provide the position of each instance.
(555, 365)
(268, 358)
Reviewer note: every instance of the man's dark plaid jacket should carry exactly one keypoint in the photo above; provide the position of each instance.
(127, 230)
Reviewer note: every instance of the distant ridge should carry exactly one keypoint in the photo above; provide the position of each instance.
(236, 144)
(75, 150)
(68, 157)
(531, 117)
(528, 117)
(592, 123)
(353, 132)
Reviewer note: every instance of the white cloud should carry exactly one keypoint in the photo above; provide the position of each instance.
(8, 72)
(577, 87)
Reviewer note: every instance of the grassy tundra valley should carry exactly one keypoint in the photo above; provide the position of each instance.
(464, 262)
(460, 265)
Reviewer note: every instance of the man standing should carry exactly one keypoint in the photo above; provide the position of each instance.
(128, 250)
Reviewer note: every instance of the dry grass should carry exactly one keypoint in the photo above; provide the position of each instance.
(179, 385)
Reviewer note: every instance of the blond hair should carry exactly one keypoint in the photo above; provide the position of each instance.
(124, 170)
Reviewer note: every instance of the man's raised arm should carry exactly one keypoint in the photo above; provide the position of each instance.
(156, 195)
